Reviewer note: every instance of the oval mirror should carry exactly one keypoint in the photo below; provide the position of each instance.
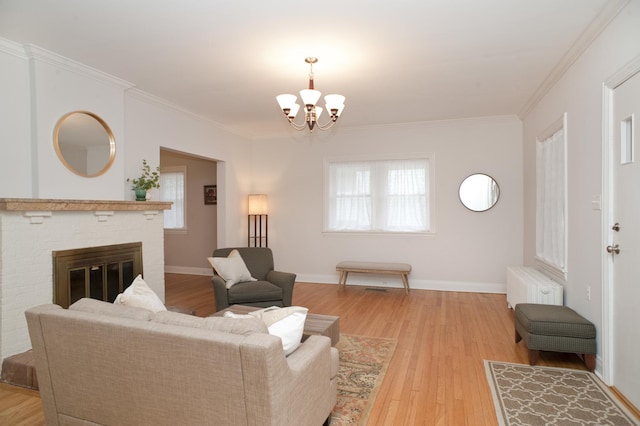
(84, 143)
(479, 192)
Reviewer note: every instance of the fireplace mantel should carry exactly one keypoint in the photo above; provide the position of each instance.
(38, 204)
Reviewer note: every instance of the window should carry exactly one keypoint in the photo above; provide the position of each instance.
(378, 195)
(172, 188)
(551, 205)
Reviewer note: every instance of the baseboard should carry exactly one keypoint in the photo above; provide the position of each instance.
(416, 284)
(385, 281)
(188, 270)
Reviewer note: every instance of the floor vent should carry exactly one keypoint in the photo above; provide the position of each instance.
(384, 290)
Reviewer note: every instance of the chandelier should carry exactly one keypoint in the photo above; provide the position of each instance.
(333, 103)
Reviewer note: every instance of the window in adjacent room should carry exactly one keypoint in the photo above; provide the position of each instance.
(551, 201)
(389, 195)
(173, 188)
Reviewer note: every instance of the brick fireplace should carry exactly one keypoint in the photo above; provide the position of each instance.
(32, 229)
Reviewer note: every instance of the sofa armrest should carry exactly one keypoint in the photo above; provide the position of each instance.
(275, 383)
(284, 280)
(220, 292)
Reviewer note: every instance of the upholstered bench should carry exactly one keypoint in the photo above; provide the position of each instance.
(555, 328)
(401, 269)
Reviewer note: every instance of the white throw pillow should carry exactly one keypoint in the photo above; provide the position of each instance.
(140, 295)
(232, 268)
(286, 323)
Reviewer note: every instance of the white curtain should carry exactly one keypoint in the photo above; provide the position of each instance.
(381, 195)
(551, 200)
(172, 189)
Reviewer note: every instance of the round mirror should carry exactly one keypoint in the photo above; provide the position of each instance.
(479, 192)
(84, 143)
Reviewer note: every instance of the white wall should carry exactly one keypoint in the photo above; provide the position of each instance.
(152, 124)
(43, 86)
(579, 94)
(15, 122)
(469, 250)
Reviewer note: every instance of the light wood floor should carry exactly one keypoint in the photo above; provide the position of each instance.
(436, 376)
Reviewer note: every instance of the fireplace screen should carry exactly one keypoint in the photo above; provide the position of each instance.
(96, 272)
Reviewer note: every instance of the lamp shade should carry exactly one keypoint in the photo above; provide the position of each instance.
(286, 101)
(257, 204)
(293, 111)
(310, 96)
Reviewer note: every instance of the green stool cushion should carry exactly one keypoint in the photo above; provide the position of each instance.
(554, 320)
(554, 328)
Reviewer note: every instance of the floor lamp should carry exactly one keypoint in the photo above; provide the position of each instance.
(258, 221)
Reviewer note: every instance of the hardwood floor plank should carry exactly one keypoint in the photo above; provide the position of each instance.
(436, 376)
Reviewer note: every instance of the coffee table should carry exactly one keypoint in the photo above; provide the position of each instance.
(315, 324)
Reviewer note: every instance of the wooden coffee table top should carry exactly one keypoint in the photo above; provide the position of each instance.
(323, 325)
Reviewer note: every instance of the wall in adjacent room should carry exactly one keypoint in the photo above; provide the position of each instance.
(467, 251)
(185, 251)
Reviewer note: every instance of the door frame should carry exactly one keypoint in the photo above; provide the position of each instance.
(608, 87)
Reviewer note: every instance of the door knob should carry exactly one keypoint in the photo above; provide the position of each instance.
(613, 249)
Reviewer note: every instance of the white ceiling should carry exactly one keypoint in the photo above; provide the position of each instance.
(395, 61)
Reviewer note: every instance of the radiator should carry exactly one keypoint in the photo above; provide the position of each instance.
(528, 285)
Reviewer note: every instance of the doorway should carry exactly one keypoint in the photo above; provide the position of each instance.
(621, 254)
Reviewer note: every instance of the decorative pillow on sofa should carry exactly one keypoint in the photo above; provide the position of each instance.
(286, 323)
(232, 268)
(139, 295)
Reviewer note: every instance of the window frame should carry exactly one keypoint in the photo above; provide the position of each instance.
(431, 198)
(177, 169)
(557, 271)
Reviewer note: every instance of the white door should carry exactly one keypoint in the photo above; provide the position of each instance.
(626, 238)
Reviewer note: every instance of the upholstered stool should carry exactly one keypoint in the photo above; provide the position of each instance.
(555, 328)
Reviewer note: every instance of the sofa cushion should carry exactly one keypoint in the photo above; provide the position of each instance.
(224, 325)
(232, 268)
(104, 308)
(140, 295)
(254, 291)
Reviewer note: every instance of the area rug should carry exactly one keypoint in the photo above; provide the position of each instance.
(526, 395)
(363, 364)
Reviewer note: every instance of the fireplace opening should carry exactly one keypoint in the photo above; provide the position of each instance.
(96, 272)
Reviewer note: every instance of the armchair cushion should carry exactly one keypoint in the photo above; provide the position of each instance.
(232, 268)
(254, 291)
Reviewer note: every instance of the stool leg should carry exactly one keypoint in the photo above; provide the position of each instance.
(533, 356)
(590, 361)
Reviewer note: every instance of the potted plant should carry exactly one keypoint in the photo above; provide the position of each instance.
(147, 180)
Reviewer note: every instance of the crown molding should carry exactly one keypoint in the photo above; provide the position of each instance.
(12, 48)
(148, 97)
(610, 10)
(39, 54)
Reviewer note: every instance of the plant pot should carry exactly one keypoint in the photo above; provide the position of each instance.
(141, 194)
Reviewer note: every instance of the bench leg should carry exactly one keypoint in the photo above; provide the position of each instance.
(590, 361)
(405, 282)
(533, 356)
(343, 279)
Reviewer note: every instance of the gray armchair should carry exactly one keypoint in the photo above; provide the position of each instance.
(273, 288)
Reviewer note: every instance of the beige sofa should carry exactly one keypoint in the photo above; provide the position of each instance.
(105, 364)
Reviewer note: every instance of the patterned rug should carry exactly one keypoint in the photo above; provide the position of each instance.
(363, 364)
(525, 395)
